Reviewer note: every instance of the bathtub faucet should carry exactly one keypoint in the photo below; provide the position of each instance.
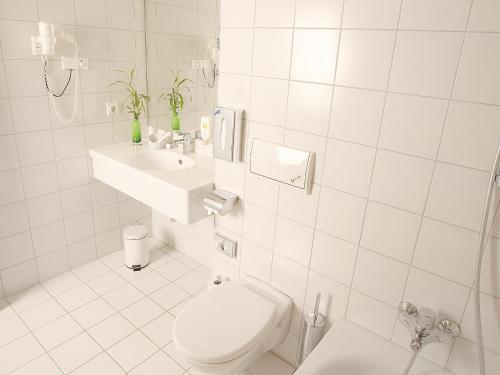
(422, 327)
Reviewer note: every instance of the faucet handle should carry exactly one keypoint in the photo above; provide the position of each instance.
(425, 319)
(450, 327)
(408, 307)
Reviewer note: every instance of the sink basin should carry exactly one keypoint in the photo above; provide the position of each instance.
(159, 161)
(348, 349)
(169, 182)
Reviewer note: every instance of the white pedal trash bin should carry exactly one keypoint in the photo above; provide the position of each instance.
(135, 243)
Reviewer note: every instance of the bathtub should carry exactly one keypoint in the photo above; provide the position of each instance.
(350, 350)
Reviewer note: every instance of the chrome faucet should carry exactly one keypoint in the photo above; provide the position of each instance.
(182, 140)
(422, 327)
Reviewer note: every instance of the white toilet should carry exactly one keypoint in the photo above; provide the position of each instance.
(223, 329)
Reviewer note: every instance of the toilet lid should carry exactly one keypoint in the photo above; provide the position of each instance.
(222, 323)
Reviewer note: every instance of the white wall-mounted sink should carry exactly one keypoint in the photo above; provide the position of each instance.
(169, 182)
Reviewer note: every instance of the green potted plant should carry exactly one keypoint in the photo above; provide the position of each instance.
(135, 103)
(176, 98)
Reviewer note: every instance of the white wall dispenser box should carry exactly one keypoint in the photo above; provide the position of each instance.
(227, 134)
(290, 166)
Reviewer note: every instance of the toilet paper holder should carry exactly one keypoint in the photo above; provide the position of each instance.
(219, 202)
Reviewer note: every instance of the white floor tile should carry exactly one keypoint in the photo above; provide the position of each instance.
(268, 364)
(74, 298)
(150, 282)
(6, 312)
(110, 331)
(188, 261)
(57, 332)
(132, 350)
(205, 270)
(102, 364)
(62, 283)
(129, 274)
(158, 258)
(43, 365)
(169, 296)
(178, 308)
(11, 329)
(173, 353)
(106, 283)
(41, 314)
(174, 270)
(160, 329)
(114, 260)
(19, 353)
(158, 364)
(192, 282)
(91, 270)
(92, 313)
(28, 298)
(75, 352)
(123, 296)
(142, 312)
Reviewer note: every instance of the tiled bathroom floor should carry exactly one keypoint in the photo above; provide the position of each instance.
(105, 319)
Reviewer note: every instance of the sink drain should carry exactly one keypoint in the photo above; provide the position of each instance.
(180, 162)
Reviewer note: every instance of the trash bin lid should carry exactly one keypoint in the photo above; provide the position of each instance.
(135, 232)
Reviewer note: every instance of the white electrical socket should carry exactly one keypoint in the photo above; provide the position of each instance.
(112, 108)
(80, 63)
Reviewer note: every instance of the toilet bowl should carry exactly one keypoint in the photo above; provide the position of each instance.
(223, 329)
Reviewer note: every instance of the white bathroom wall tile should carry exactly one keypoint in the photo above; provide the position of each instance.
(57, 11)
(65, 104)
(3, 81)
(272, 45)
(435, 15)
(73, 172)
(120, 14)
(91, 12)
(334, 296)
(6, 126)
(333, 257)
(318, 13)
(470, 135)
(256, 260)
(447, 251)
(366, 14)
(121, 45)
(463, 358)
(237, 13)
(390, 231)
(102, 195)
(19, 277)
(254, 130)
(166, 47)
(13, 219)
(425, 63)
(75, 201)
(165, 19)
(261, 192)
(79, 227)
(340, 214)
(309, 107)
(11, 186)
(130, 211)
(314, 55)
(445, 297)
(259, 225)
(108, 242)
(20, 10)
(99, 135)
(348, 167)
(293, 240)
(234, 91)
(289, 277)
(365, 58)
(95, 79)
(17, 44)
(347, 122)
(8, 153)
(484, 16)
(44, 209)
(401, 181)
(310, 142)
(413, 124)
(93, 42)
(106, 218)
(187, 21)
(489, 281)
(15, 249)
(52, 264)
(294, 204)
(230, 176)
(268, 101)
(48, 237)
(456, 196)
(40, 179)
(275, 13)
(380, 277)
(186, 48)
(35, 148)
(30, 114)
(371, 314)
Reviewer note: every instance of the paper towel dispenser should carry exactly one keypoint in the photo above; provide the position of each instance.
(227, 133)
(284, 164)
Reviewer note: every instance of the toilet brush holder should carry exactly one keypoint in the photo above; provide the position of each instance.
(312, 333)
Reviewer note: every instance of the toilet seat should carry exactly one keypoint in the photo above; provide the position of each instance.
(238, 319)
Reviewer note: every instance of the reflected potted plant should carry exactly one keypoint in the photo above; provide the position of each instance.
(176, 98)
(135, 103)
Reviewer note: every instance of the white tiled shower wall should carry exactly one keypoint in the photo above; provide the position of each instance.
(400, 100)
(53, 215)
